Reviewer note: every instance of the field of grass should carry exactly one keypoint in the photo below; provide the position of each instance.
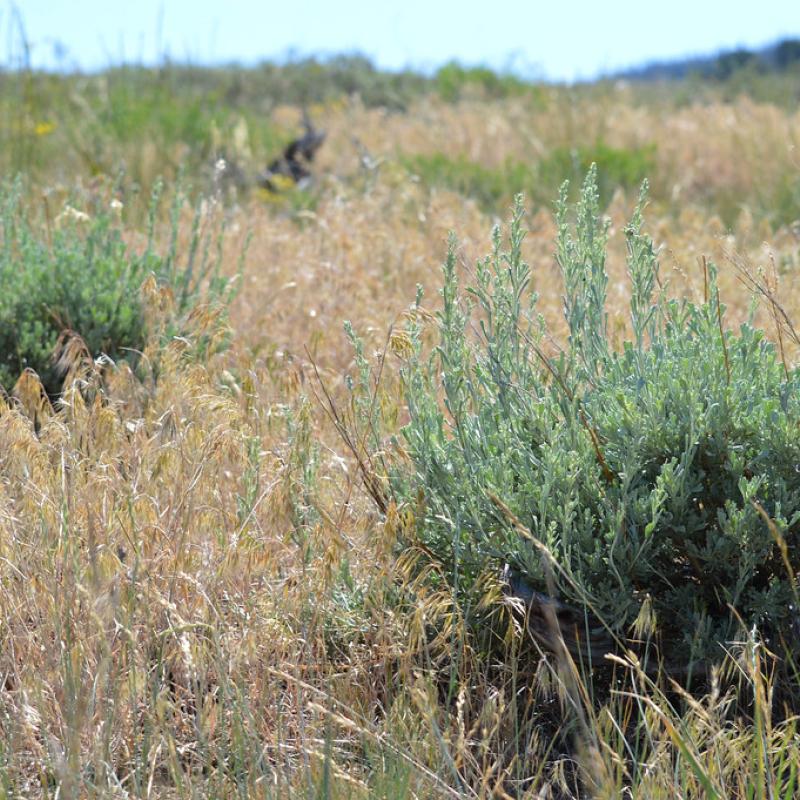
(200, 596)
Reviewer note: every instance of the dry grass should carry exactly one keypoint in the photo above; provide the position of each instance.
(199, 599)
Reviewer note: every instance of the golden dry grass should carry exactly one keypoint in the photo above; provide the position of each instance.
(196, 590)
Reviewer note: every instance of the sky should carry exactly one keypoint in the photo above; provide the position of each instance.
(553, 39)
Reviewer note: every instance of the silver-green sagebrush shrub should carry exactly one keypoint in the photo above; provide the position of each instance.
(82, 276)
(663, 477)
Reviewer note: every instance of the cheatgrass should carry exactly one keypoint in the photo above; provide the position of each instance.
(198, 596)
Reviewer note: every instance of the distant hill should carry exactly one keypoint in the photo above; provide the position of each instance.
(781, 56)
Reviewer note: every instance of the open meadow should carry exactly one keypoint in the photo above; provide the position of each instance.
(257, 549)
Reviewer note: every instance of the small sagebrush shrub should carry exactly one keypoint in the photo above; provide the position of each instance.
(662, 478)
(616, 167)
(454, 82)
(489, 187)
(79, 275)
(494, 188)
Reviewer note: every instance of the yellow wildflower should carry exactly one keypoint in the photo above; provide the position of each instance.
(44, 128)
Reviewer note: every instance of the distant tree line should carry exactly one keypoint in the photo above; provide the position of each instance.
(781, 57)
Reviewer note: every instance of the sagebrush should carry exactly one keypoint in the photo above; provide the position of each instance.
(659, 478)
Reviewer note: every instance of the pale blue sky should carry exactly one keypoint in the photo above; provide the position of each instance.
(561, 40)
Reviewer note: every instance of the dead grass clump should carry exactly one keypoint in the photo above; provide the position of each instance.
(198, 596)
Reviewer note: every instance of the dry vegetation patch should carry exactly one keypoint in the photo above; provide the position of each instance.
(198, 595)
